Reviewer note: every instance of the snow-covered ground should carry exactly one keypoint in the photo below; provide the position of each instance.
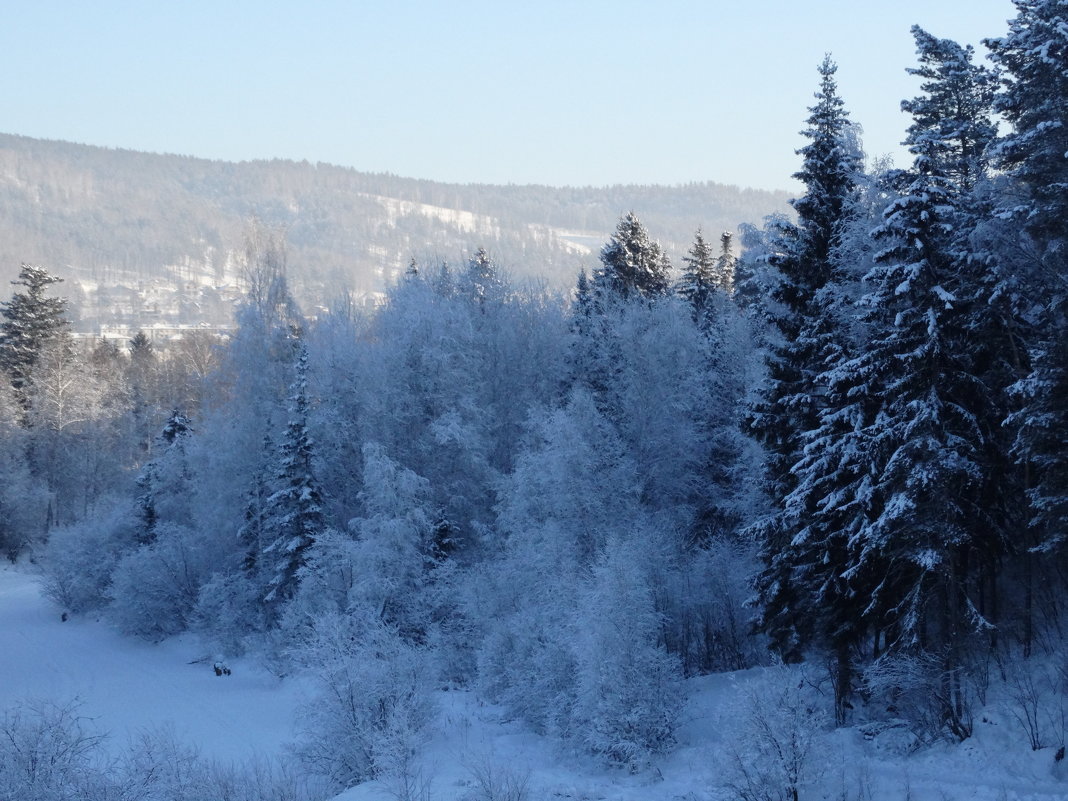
(125, 686)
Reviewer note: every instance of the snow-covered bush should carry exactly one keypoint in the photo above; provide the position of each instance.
(154, 589)
(77, 561)
(915, 689)
(374, 701)
(495, 779)
(1035, 691)
(156, 766)
(628, 694)
(772, 753)
(48, 754)
(165, 769)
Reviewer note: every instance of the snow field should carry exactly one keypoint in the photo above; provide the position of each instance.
(125, 686)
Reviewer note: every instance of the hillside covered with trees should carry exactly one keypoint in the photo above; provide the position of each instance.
(120, 218)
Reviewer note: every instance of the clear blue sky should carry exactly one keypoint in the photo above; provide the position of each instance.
(533, 92)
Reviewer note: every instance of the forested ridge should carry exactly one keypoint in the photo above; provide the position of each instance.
(120, 218)
(846, 447)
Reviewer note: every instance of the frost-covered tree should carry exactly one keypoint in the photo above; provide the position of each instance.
(725, 263)
(698, 279)
(250, 387)
(954, 109)
(1034, 101)
(373, 704)
(890, 491)
(481, 280)
(953, 126)
(445, 386)
(808, 340)
(293, 517)
(31, 320)
(829, 169)
(918, 378)
(394, 550)
(707, 277)
(165, 483)
(253, 533)
(632, 264)
(801, 255)
(23, 496)
(628, 694)
(555, 512)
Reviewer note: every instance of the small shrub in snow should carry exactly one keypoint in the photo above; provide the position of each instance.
(772, 753)
(158, 767)
(374, 700)
(708, 624)
(164, 769)
(528, 665)
(1036, 700)
(915, 689)
(496, 781)
(47, 754)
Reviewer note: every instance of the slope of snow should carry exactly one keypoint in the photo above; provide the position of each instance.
(581, 242)
(125, 685)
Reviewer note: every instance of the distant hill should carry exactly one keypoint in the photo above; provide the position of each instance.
(124, 226)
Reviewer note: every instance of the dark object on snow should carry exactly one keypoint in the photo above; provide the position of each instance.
(1059, 755)
(221, 669)
(63, 617)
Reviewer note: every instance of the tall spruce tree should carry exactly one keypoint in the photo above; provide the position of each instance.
(953, 127)
(807, 343)
(925, 521)
(725, 263)
(1034, 101)
(954, 111)
(908, 419)
(803, 259)
(293, 518)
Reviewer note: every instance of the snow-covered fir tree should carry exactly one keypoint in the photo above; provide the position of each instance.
(293, 516)
(632, 263)
(801, 256)
(30, 320)
(699, 278)
(1033, 57)
(954, 109)
(808, 342)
